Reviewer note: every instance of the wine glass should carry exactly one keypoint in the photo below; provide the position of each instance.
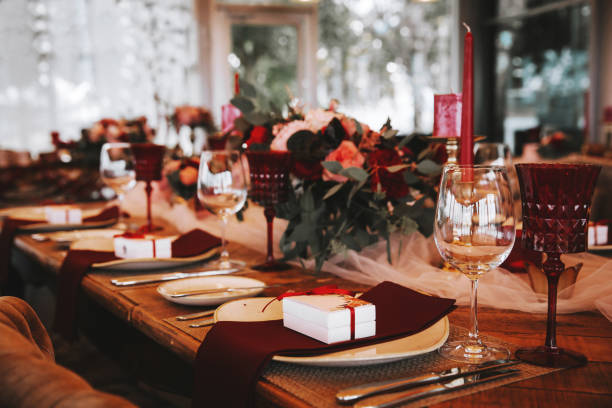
(149, 159)
(474, 231)
(118, 172)
(556, 205)
(222, 190)
(269, 171)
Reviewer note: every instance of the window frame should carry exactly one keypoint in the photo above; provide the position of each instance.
(214, 24)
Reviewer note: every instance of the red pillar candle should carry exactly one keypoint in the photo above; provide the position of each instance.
(467, 112)
(447, 115)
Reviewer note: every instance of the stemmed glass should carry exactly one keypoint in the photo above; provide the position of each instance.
(556, 205)
(118, 172)
(222, 190)
(474, 231)
(269, 173)
(149, 159)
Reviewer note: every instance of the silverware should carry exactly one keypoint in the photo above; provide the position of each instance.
(220, 290)
(238, 289)
(195, 315)
(391, 400)
(352, 394)
(203, 323)
(162, 277)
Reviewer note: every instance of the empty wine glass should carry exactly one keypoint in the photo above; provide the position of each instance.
(118, 172)
(222, 190)
(474, 231)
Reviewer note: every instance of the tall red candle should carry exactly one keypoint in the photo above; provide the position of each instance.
(447, 115)
(236, 84)
(467, 112)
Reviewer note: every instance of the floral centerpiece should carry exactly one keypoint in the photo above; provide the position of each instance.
(88, 148)
(193, 117)
(353, 186)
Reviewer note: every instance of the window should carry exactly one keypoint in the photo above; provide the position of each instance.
(542, 67)
(378, 58)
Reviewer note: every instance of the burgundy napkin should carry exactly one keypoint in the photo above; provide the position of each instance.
(77, 264)
(11, 226)
(233, 354)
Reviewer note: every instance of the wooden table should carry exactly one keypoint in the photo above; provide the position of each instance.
(588, 332)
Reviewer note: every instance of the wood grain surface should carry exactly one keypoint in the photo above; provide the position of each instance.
(588, 332)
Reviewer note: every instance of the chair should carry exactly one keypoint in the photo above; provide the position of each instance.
(29, 376)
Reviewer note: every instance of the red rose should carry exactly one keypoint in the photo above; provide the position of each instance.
(259, 135)
(391, 183)
(308, 169)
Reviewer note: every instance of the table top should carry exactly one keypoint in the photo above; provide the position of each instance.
(587, 332)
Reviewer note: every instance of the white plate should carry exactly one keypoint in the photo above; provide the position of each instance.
(66, 237)
(423, 342)
(38, 213)
(136, 264)
(596, 248)
(210, 282)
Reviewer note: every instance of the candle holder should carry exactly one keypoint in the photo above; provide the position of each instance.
(452, 146)
(149, 159)
(556, 202)
(269, 186)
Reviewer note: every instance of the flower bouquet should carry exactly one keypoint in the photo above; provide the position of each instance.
(352, 186)
(193, 117)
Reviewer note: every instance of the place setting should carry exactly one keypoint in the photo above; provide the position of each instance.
(314, 203)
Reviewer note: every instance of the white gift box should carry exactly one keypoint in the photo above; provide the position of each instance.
(63, 214)
(147, 247)
(327, 318)
(598, 235)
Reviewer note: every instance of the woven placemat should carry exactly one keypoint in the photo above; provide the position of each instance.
(317, 386)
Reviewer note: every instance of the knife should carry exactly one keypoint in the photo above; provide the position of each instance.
(352, 394)
(220, 290)
(392, 400)
(162, 277)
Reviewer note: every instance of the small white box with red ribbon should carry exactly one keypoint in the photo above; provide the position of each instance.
(132, 246)
(330, 318)
(63, 214)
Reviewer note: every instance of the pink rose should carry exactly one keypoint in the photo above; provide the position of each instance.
(347, 155)
(188, 175)
(284, 133)
(317, 119)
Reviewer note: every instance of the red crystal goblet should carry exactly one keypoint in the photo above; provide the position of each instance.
(269, 173)
(149, 160)
(556, 201)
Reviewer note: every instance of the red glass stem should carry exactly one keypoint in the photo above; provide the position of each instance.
(553, 267)
(149, 190)
(270, 213)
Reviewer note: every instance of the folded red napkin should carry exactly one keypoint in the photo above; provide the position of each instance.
(233, 354)
(11, 226)
(77, 264)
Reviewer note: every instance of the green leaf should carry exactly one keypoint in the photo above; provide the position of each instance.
(354, 191)
(410, 178)
(390, 133)
(429, 167)
(333, 166)
(256, 118)
(247, 89)
(333, 190)
(405, 140)
(244, 104)
(396, 168)
(307, 201)
(355, 173)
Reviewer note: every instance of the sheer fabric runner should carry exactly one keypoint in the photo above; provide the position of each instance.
(415, 260)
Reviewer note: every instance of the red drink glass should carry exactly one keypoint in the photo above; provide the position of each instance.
(149, 160)
(269, 173)
(556, 200)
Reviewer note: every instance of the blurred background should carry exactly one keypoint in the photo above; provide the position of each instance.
(542, 66)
